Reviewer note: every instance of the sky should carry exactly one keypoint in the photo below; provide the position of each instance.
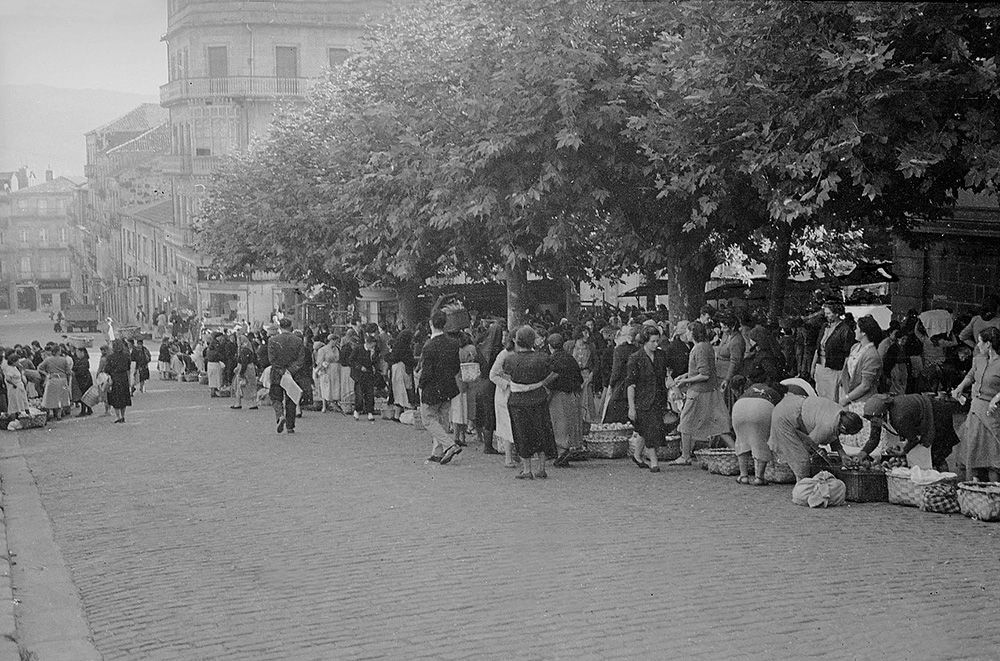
(84, 44)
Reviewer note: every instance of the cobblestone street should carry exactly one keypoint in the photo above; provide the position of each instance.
(197, 532)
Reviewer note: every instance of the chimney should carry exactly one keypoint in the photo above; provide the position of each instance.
(48, 175)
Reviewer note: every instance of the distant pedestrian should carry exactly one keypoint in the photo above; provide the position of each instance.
(528, 405)
(117, 367)
(439, 368)
(141, 357)
(565, 384)
(82, 379)
(285, 354)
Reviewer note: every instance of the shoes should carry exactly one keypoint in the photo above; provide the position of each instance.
(462, 444)
(290, 431)
(434, 459)
(117, 420)
(357, 416)
(235, 407)
(252, 408)
(299, 414)
(680, 461)
(758, 481)
(654, 469)
(450, 453)
(489, 449)
(563, 460)
(640, 464)
(281, 425)
(525, 476)
(541, 475)
(371, 417)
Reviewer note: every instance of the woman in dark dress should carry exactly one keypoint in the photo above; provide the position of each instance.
(82, 378)
(616, 407)
(528, 404)
(141, 358)
(646, 381)
(486, 417)
(117, 367)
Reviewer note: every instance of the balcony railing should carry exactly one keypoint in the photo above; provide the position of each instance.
(261, 87)
(188, 164)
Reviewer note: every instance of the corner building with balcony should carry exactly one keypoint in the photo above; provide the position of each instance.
(231, 65)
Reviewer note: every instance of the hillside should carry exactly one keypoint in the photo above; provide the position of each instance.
(44, 126)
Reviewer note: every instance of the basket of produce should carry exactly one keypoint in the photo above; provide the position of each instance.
(903, 490)
(608, 440)
(203, 379)
(670, 450)
(779, 472)
(720, 461)
(823, 462)
(980, 500)
(864, 484)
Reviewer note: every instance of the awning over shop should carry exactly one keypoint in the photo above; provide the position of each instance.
(655, 288)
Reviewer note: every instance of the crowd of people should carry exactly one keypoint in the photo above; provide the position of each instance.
(56, 379)
(775, 390)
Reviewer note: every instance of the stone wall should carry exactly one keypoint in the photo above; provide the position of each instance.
(950, 272)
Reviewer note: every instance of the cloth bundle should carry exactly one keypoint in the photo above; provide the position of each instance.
(941, 498)
(823, 490)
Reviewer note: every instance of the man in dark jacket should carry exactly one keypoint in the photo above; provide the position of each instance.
(285, 354)
(438, 385)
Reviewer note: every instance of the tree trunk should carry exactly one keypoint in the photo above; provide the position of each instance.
(688, 269)
(777, 271)
(408, 310)
(517, 293)
(572, 291)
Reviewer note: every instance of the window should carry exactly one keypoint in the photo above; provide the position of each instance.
(24, 235)
(218, 61)
(337, 56)
(64, 265)
(286, 62)
(43, 235)
(63, 235)
(43, 207)
(25, 266)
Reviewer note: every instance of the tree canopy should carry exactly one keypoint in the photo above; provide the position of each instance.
(577, 138)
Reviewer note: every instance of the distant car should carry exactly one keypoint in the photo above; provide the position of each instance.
(81, 318)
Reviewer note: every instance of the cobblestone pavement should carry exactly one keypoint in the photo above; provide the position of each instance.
(197, 532)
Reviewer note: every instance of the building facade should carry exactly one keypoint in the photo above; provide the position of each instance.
(123, 173)
(38, 227)
(952, 263)
(230, 67)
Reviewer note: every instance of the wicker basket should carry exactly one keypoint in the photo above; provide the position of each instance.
(980, 500)
(864, 486)
(720, 461)
(607, 448)
(779, 472)
(470, 372)
(670, 450)
(904, 491)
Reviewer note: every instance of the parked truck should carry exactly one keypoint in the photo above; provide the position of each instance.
(82, 318)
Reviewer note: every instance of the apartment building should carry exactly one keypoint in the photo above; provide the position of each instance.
(38, 226)
(124, 173)
(230, 67)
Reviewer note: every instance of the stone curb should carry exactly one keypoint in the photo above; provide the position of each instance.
(41, 615)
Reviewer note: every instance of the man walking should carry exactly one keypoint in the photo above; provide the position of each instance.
(438, 385)
(285, 354)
